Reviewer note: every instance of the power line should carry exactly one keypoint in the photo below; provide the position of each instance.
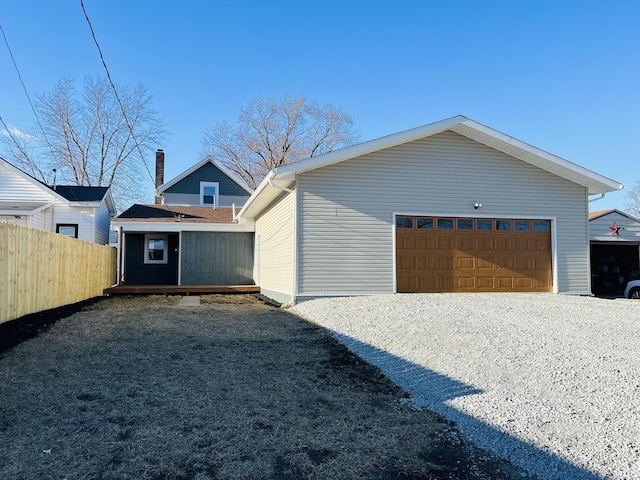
(115, 91)
(15, 64)
(10, 133)
(124, 114)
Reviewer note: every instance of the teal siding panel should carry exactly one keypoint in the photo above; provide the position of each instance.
(208, 173)
(217, 258)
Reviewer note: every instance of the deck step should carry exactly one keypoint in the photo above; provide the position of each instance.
(180, 289)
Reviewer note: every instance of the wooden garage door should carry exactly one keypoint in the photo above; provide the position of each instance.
(438, 254)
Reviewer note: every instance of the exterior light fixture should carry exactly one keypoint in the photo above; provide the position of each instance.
(477, 205)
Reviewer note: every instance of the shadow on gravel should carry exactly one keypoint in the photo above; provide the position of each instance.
(436, 390)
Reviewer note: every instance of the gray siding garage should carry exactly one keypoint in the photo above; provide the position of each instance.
(456, 172)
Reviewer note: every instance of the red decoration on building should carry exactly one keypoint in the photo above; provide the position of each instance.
(615, 230)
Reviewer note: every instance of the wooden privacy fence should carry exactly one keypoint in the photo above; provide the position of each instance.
(42, 270)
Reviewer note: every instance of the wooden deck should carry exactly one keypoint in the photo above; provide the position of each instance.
(180, 289)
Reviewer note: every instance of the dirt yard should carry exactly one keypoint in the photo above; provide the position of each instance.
(140, 388)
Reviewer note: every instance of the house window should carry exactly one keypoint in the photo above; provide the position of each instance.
(155, 248)
(68, 229)
(209, 193)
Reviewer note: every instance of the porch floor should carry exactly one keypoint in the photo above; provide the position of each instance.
(180, 289)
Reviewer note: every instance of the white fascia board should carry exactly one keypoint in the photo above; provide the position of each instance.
(85, 204)
(288, 172)
(247, 226)
(616, 211)
(25, 209)
(252, 206)
(595, 182)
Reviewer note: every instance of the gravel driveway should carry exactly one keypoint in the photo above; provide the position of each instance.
(550, 382)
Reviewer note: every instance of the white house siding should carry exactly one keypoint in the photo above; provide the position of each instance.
(13, 187)
(345, 215)
(275, 250)
(63, 214)
(599, 230)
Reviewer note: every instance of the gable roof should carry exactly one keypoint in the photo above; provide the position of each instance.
(199, 165)
(604, 213)
(77, 193)
(67, 193)
(32, 180)
(595, 183)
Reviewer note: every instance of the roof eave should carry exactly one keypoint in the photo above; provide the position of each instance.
(183, 226)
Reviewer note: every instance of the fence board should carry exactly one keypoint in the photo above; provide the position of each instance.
(42, 270)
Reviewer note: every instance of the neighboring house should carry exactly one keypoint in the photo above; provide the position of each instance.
(192, 238)
(76, 211)
(452, 206)
(615, 251)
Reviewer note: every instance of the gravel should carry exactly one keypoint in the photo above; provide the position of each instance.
(549, 382)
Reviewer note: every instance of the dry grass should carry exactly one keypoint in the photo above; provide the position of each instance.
(139, 388)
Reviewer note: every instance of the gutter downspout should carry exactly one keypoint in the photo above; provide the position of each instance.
(602, 195)
(279, 187)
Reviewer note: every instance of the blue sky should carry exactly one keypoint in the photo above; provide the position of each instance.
(562, 76)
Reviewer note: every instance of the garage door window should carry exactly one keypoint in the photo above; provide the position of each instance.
(484, 224)
(541, 226)
(506, 225)
(425, 223)
(404, 222)
(465, 224)
(445, 224)
(503, 224)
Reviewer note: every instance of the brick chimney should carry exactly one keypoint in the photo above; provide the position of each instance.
(159, 172)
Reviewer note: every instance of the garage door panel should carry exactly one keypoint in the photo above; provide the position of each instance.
(504, 244)
(466, 283)
(465, 262)
(485, 283)
(446, 242)
(486, 263)
(524, 283)
(449, 260)
(486, 243)
(466, 244)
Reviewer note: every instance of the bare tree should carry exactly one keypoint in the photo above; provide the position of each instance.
(271, 133)
(633, 200)
(87, 139)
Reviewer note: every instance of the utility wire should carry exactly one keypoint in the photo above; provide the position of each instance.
(10, 133)
(24, 87)
(124, 114)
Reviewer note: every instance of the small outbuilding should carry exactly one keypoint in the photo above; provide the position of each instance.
(453, 206)
(191, 236)
(614, 237)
